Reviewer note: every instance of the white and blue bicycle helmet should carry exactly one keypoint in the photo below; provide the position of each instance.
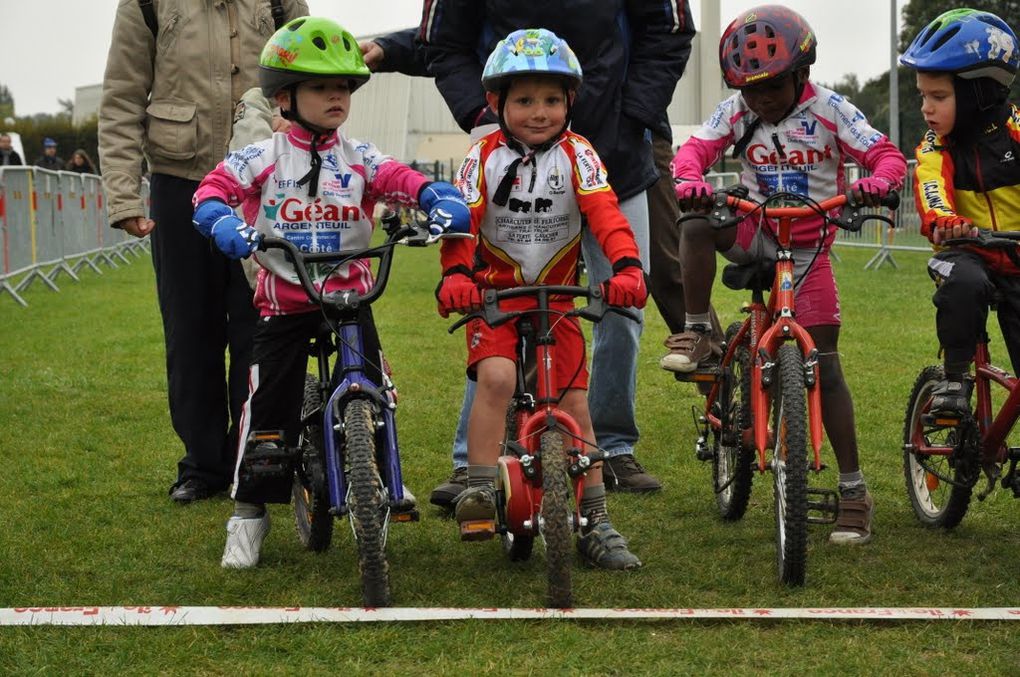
(967, 43)
(531, 51)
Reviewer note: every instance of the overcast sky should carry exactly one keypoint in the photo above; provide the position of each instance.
(53, 46)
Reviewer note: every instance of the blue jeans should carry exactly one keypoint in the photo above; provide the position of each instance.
(615, 341)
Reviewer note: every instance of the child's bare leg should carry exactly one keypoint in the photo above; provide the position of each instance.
(600, 544)
(476, 505)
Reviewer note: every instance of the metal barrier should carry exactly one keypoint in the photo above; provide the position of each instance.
(53, 223)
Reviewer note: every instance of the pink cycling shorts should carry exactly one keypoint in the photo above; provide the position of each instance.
(816, 296)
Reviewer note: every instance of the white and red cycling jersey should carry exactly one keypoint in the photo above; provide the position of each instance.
(804, 153)
(263, 179)
(536, 237)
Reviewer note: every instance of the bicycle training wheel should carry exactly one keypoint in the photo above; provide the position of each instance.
(557, 521)
(939, 486)
(731, 461)
(312, 518)
(517, 547)
(789, 465)
(367, 502)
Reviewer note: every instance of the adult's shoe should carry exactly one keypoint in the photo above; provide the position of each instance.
(624, 473)
(188, 491)
(445, 494)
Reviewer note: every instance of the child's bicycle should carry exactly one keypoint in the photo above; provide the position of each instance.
(348, 462)
(536, 473)
(944, 456)
(756, 400)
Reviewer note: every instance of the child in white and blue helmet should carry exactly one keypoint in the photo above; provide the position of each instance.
(968, 177)
(528, 185)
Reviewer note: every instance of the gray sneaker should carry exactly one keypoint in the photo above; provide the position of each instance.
(602, 546)
(445, 494)
(476, 513)
(624, 473)
(244, 541)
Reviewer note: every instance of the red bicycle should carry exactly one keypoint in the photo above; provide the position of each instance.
(544, 459)
(944, 456)
(764, 403)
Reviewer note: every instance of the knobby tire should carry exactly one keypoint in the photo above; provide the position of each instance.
(557, 521)
(789, 470)
(732, 471)
(312, 519)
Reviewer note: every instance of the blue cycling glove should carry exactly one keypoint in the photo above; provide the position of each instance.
(449, 215)
(235, 238)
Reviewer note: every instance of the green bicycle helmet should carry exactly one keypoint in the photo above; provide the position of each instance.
(310, 47)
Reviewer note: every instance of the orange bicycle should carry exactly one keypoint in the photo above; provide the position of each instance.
(764, 402)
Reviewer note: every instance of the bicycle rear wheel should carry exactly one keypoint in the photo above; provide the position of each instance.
(312, 519)
(731, 461)
(789, 465)
(939, 486)
(557, 521)
(367, 502)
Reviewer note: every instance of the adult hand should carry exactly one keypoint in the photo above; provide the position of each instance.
(235, 238)
(869, 191)
(693, 194)
(458, 293)
(280, 124)
(626, 288)
(139, 226)
(372, 53)
(951, 227)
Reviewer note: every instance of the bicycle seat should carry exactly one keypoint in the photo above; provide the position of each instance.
(754, 276)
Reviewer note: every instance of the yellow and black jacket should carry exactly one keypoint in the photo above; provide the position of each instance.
(980, 181)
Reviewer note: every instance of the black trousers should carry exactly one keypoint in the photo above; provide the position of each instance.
(665, 282)
(207, 311)
(966, 288)
(279, 364)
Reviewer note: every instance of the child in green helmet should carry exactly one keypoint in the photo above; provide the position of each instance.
(316, 188)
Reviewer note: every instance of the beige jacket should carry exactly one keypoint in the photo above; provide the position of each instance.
(172, 99)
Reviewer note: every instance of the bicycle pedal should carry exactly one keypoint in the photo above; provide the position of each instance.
(477, 530)
(824, 501)
(701, 375)
(404, 515)
(941, 420)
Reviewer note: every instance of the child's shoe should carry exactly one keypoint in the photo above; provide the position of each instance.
(602, 546)
(244, 541)
(950, 398)
(476, 513)
(690, 349)
(853, 523)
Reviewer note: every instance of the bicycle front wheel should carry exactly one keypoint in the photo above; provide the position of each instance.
(731, 463)
(789, 465)
(367, 502)
(939, 485)
(312, 519)
(557, 520)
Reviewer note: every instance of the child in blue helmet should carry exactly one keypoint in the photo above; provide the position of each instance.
(968, 177)
(528, 185)
(317, 188)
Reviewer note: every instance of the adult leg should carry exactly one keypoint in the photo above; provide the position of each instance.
(448, 490)
(191, 286)
(612, 390)
(665, 280)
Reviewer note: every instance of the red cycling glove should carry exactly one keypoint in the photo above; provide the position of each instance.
(626, 287)
(949, 227)
(458, 293)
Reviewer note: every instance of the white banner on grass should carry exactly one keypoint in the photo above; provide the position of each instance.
(216, 615)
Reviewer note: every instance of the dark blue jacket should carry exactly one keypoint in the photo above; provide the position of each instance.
(402, 54)
(632, 53)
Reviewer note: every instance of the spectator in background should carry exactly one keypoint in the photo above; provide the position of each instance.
(49, 159)
(632, 55)
(8, 156)
(180, 122)
(81, 162)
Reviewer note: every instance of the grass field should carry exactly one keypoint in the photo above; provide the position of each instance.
(89, 453)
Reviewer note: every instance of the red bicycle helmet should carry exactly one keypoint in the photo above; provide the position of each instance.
(765, 42)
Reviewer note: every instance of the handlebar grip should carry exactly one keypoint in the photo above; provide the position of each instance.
(891, 200)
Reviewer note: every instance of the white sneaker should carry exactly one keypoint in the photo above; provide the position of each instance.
(244, 540)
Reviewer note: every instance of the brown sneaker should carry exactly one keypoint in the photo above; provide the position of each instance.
(444, 494)
(689, 349)
(624, 473)
(853, 523)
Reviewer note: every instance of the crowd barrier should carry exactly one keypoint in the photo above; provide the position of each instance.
(55, 223)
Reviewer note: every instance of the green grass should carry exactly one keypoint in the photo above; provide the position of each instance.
(89, 454)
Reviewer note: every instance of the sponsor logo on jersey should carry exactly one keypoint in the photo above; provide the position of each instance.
(759, 154)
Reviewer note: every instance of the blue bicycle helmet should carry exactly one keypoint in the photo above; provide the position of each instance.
(531, 51)
(968, 43)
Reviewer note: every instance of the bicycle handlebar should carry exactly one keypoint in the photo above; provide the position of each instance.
(1006, 240)
(396, 233)
(595, 310)
(730, 206)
